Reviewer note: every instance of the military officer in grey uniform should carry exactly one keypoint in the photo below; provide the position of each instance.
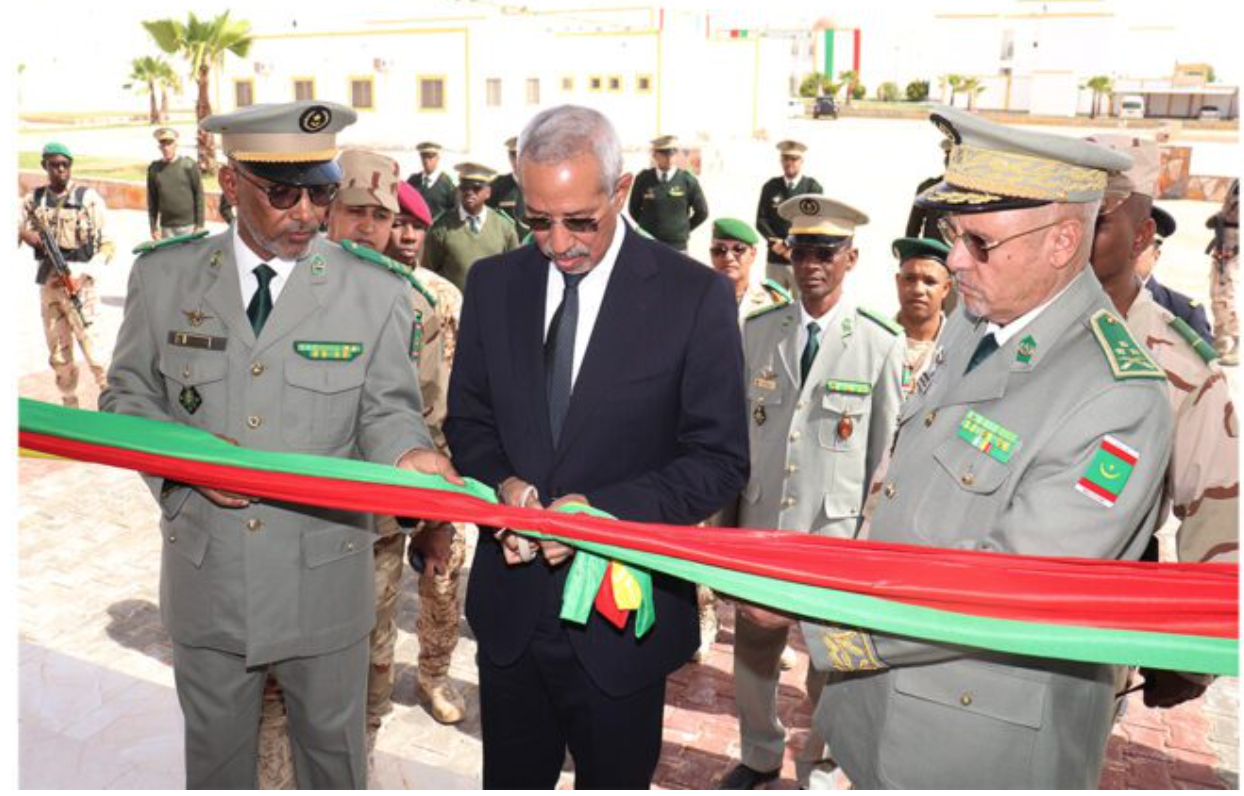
(275, 338)
(1043, 428)
(824, 383)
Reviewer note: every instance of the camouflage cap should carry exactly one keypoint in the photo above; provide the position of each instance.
(734, 229)
(368, 179)
(511, 143)
(56, 148)
(1142, 177)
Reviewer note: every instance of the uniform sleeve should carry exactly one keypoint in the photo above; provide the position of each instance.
(511, 237)
(106, 248)
(433, 250)
(433, 369)
(763, 226)
(153, 198)
(390, 419)
(814, 186)
(1205, 473)
(887, 399)
(196, 190)
(699, 205)
(635, 205)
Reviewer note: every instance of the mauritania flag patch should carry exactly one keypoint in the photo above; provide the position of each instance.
(1108, 472)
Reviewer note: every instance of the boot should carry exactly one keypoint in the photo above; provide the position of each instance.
(444, 702)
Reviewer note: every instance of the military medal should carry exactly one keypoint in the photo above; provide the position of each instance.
(190, 399)
(845, 427)
(416, 338)
(332, 351)
(215, 261)
(765, 380)
(988, 437)
(1027, 347)
(758, 414)
(195, 317)
(318, 266)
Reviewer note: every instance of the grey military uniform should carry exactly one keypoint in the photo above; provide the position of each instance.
(934, 716)
(813, 451)
(330, 374)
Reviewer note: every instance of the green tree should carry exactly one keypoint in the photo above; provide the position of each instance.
(811, 84)
(888, 92)
(148, 75)
(1210, 75)
(973, 88)
(203, 43)
(851, 78)
(1101, 86)
(917, 91)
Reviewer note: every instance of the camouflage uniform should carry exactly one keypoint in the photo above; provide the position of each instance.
(1225, 251)
(1203, 477)
(76, 220)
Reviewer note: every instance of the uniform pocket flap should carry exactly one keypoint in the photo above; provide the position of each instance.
(192, 371)
(332, 544)
(985, 691)
(187, 540)
(845, 403)
(973, 470)
(326, 376)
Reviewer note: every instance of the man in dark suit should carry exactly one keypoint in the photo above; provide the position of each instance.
(599, 367)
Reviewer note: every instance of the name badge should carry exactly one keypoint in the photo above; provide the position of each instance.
(205, 342)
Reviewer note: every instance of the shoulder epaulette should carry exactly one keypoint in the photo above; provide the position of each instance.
(881, 320)
(1127, 358)
(766, 310)
(152, 245)
(389, 264)
(1203, 349)
(776, 289)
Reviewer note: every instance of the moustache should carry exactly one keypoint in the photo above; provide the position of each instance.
(571, 253)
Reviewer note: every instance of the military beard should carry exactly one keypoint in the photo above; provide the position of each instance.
(272, 245)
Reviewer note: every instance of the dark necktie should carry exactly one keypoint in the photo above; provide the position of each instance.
(473, 223)
(984, 348)
(809, 351)
(261, 303)
(559, 354)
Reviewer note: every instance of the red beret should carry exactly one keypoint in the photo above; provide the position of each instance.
(412, 203)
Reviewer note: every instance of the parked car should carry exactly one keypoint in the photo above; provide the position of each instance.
(825, 106)
(794, 108)
(1132, 106)
(1209, 113)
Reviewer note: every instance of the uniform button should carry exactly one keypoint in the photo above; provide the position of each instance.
(794, 436)
(257, 369)
(788, 502)
(928, 419)
(171, 538)
(965, 699)
(185, 372)
(348, 547)
(890, 490)
(254, 524)
(791, 469)
(254, 421)
(801, 404)
(967, 479)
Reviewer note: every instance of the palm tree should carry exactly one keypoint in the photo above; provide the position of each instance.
(850, 77)
(956, 85)
(149, 73)
(972, 87)
(203, 43)
(1102, 86)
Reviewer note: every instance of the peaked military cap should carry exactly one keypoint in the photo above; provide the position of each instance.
(792, 148)
(734, 229)
(294, 143)
(475, 172)
(165, 134)
(369, 179)
(1164, 221)
(56, 148)
(511, 143)
(926, 248)
(993, 167)
(665, 143)
(819, 220)
(428, 148)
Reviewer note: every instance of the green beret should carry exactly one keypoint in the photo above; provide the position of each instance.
(54, 148)
(907, 248)
(733, 229)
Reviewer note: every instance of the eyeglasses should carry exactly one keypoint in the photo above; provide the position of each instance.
(283, 197)
(722, 249)
(573, 224)
(977, 246)
(818, 254)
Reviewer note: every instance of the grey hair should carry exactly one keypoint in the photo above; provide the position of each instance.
(1086, 214)
(564, 131)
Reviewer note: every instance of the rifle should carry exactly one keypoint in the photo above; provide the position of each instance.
(52, 249)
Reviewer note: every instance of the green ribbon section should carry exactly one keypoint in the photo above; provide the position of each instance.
(587, 570)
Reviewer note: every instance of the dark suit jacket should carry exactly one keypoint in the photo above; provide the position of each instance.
(656, 432)
(1183, 306)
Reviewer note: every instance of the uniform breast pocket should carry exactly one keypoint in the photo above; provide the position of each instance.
(843, 421)
(321, 403)
(975, 472)
(196, 388)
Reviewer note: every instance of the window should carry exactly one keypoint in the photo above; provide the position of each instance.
(431, 93)
(533, 91)
(643, 84)
(595, 83)
(304, 88)
(243, 93)
(567, 83)
(615, 82)
(361, 93)
(492, 89)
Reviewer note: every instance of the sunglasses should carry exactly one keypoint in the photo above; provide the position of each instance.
(977, 246)
(283, 197)
(576, 225)
(818, 254)
(721, 249)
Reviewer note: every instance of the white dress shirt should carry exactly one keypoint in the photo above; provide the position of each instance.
(591, 297)
(464, 215)
(247, 261)
(823, 321)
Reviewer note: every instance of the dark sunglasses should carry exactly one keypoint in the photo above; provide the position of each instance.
(544, 224)
(818, 254)
(283, 197)
(977, 246)
(721, 249)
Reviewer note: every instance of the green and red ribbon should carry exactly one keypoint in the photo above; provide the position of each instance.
(1168, 616)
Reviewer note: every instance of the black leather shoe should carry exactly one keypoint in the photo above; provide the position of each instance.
(743, 777)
